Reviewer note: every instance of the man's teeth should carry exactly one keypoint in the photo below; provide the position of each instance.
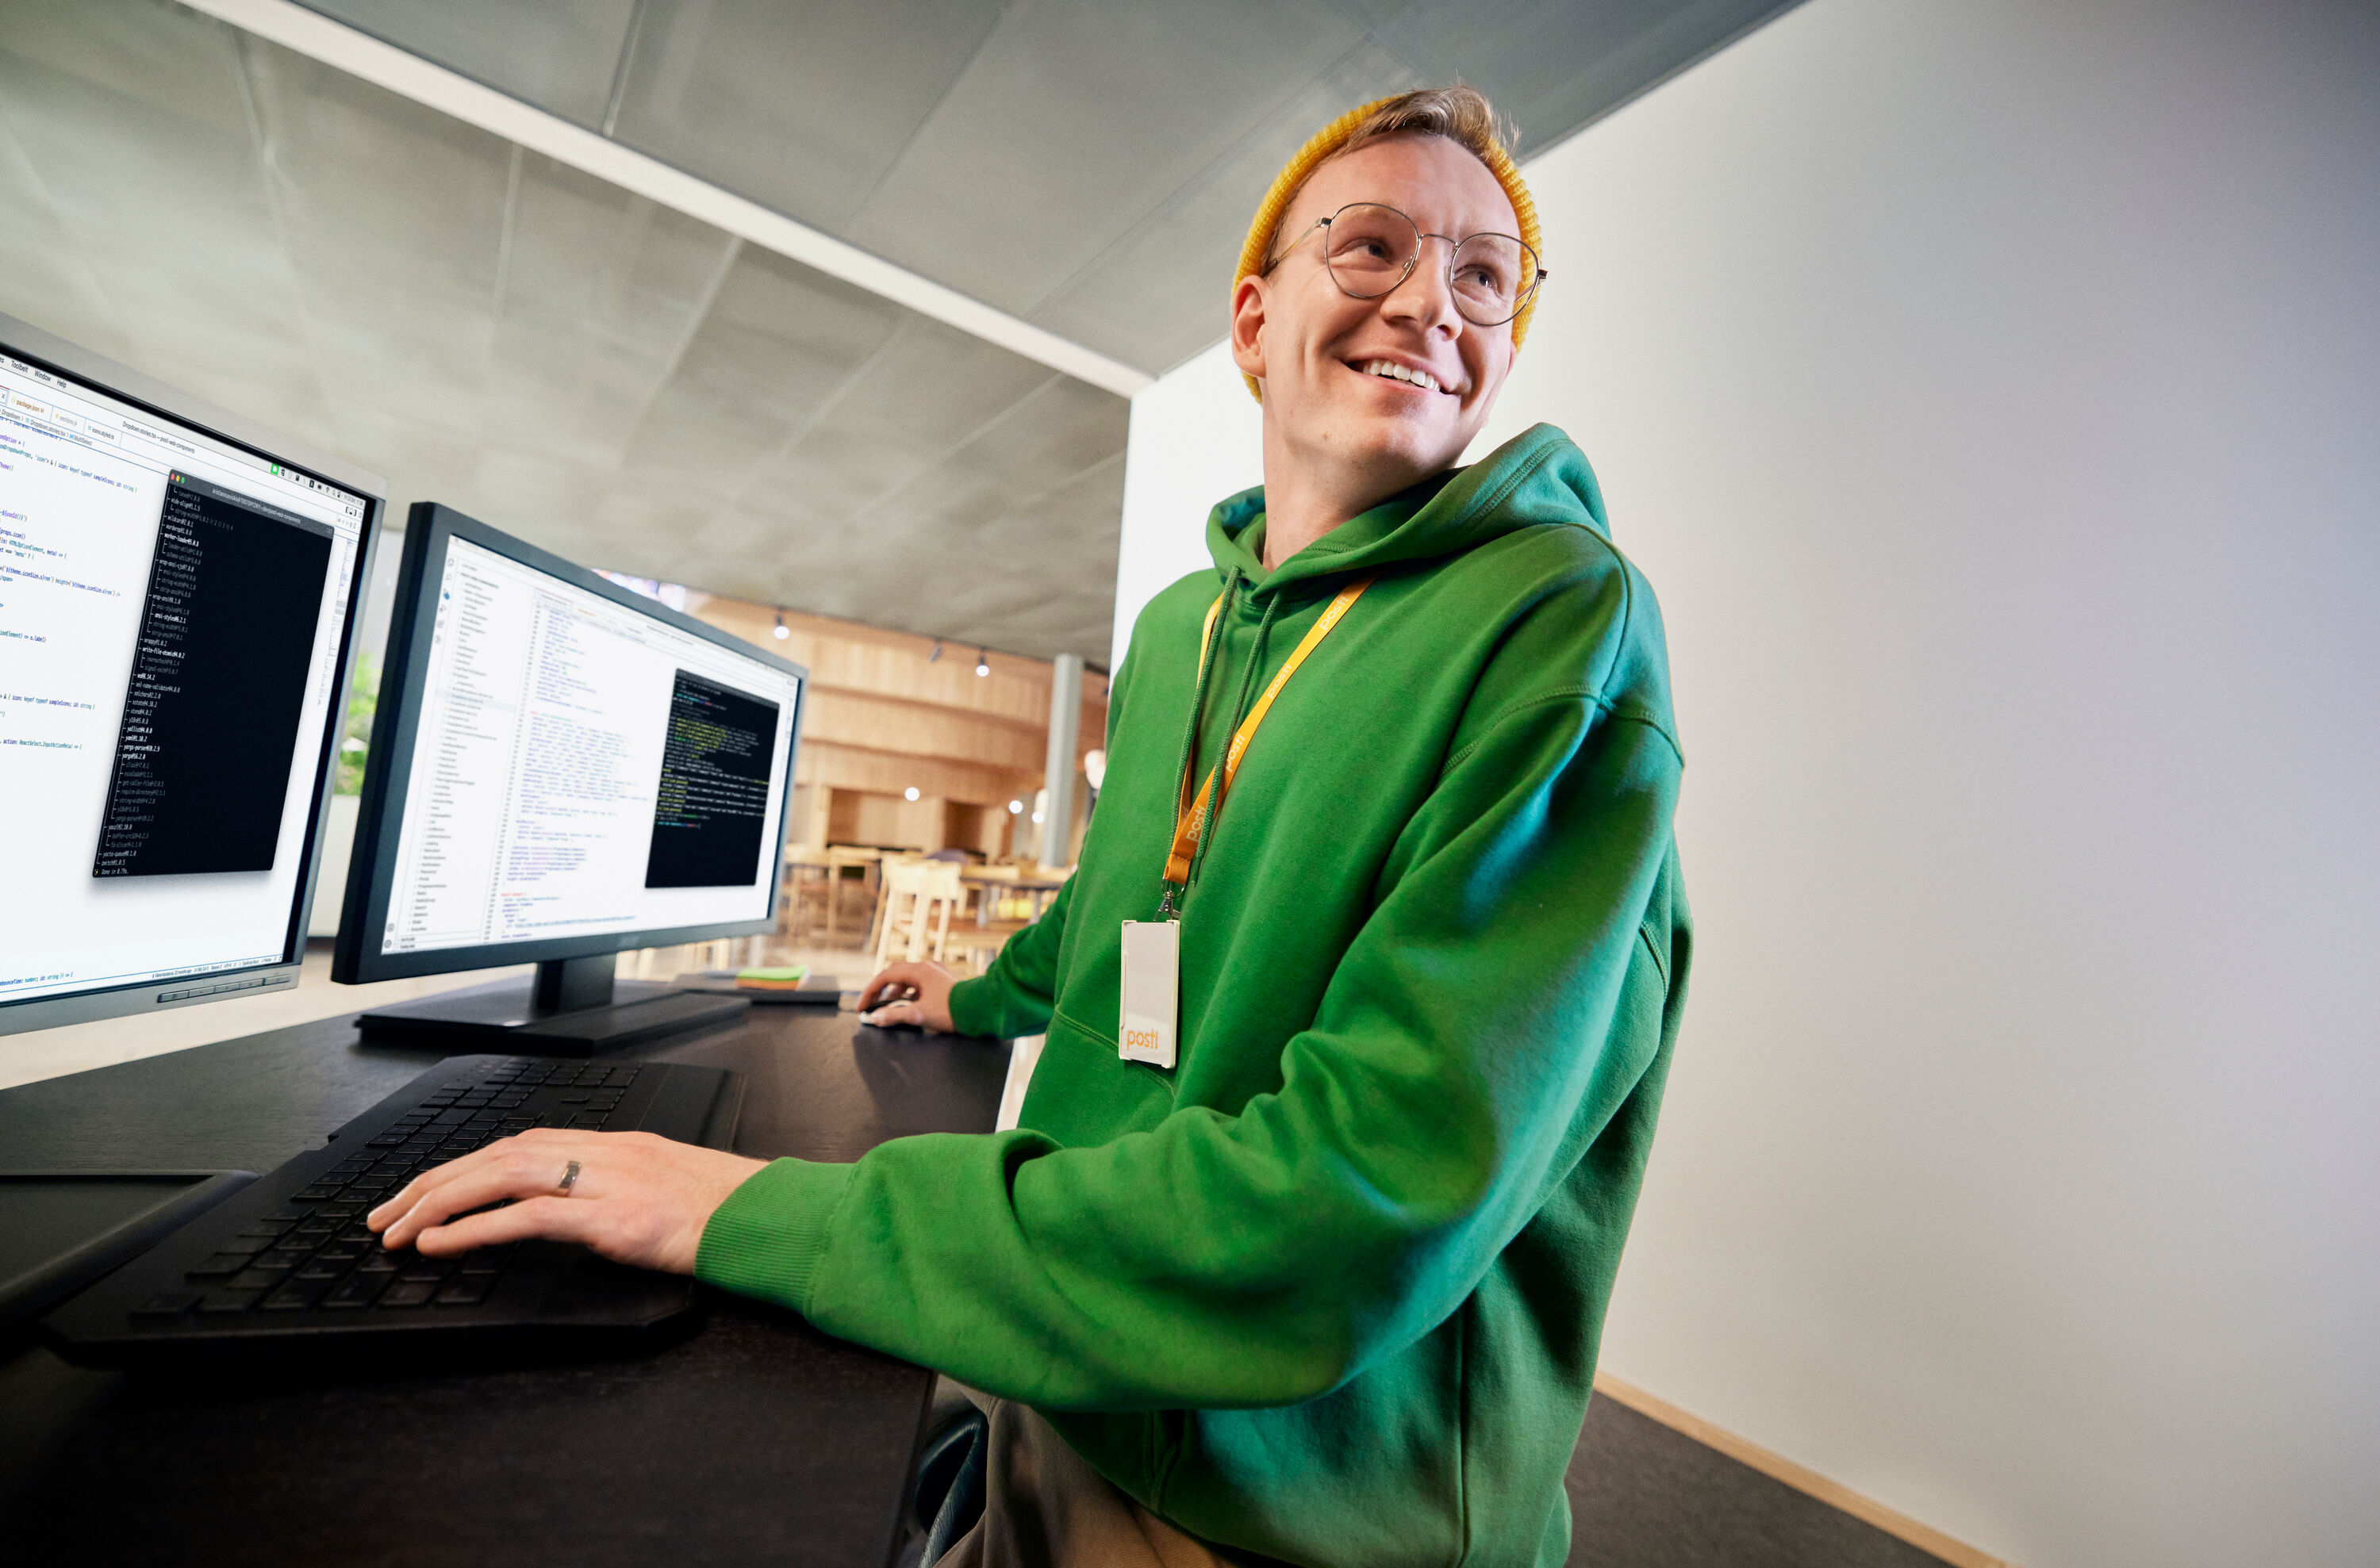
(1397, 372)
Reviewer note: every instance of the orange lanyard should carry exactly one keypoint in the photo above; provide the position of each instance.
(1196, 809)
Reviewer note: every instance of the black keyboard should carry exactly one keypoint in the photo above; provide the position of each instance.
(288, 1264)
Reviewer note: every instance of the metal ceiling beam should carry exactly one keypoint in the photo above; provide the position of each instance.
(360, 55)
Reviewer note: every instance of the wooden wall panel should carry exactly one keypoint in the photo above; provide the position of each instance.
(883, 719)
(882, 724)
(889, 773)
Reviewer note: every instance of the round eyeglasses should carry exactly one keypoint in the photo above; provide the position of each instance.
(1370, 248)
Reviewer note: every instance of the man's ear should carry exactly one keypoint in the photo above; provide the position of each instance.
(1248, 302)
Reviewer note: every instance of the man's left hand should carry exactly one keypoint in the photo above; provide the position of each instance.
(637, 1199)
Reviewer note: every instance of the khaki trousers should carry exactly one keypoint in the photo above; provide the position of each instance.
(1043, 1507)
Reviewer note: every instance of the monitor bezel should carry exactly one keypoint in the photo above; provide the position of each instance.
(431, 527)
(22, 340)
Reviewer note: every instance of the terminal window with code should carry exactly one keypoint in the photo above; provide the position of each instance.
(581, 767)
(218, 684)
(171, 610)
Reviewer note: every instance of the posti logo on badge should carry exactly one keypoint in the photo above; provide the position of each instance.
(1141, 1040)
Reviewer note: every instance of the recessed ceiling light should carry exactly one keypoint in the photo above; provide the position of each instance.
(782, 630)
(982, 665)
(1015, 808)
(910, 793)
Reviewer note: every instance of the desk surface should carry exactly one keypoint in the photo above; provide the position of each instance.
(756, 1439)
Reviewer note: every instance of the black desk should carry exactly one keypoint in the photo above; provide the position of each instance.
(756, 1440)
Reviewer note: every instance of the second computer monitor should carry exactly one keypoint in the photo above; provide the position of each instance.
(561, 768)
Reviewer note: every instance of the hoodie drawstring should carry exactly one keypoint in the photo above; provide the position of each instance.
(1207, 659)
(1239, 712)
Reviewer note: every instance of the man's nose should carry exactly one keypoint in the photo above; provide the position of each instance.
(1426, 296)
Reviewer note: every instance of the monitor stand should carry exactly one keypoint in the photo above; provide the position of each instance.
(573, 1008)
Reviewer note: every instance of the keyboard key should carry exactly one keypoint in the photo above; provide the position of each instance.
(465, 1290)
(426, 1269)
(228, 1300)
(382, 1261)
(221, 1266)
(356, 1290)
(282, 1259)
(288, 1215)
(408, 1294)
(487, 1261)
(318, 1193)
(256, 1279)
(168, 1304)
(356, 1230)
(346, 1210)
(296, 1295)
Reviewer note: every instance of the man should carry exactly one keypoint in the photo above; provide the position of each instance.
(1317, 1273)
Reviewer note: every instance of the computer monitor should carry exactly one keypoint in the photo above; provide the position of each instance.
(176, 608)
(561, 769)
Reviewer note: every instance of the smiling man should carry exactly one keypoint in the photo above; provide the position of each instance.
(1358, 1008)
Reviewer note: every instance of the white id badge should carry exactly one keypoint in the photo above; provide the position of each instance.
(1153, 969)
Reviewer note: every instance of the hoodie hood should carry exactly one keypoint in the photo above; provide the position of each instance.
(1537, 480)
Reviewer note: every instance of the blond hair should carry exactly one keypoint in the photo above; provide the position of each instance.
(1459, 113)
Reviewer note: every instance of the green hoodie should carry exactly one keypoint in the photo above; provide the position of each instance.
(1331, 1289)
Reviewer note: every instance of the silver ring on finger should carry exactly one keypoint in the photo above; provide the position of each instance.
(569, 1179)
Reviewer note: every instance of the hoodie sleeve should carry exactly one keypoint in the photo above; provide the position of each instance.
(1018, 994)
(1487, 1023)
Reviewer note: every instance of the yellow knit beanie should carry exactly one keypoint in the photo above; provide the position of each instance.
(1329, 140)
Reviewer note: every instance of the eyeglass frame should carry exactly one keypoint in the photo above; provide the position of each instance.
(1453, 247)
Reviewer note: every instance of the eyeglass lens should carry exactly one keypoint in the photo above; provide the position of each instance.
(1371, 248)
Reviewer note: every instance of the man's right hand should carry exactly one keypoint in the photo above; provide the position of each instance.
(911, 993)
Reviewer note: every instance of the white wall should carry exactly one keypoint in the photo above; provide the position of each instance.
(1992, 392)
(1196, 437)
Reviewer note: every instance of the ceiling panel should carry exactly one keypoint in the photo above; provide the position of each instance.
(1089, 165)
(776, 343)
(926, 391)
(634, 389)
(598, 294)
(1553, 65)
(799, 105)
(1073, 121)
(1061, 428)
(559, 54)
(135, 175)
(397, 274)
(1161, 293)
(46, 273)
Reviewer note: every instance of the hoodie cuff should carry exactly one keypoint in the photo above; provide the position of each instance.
(974, 1007)
(769, 1237)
